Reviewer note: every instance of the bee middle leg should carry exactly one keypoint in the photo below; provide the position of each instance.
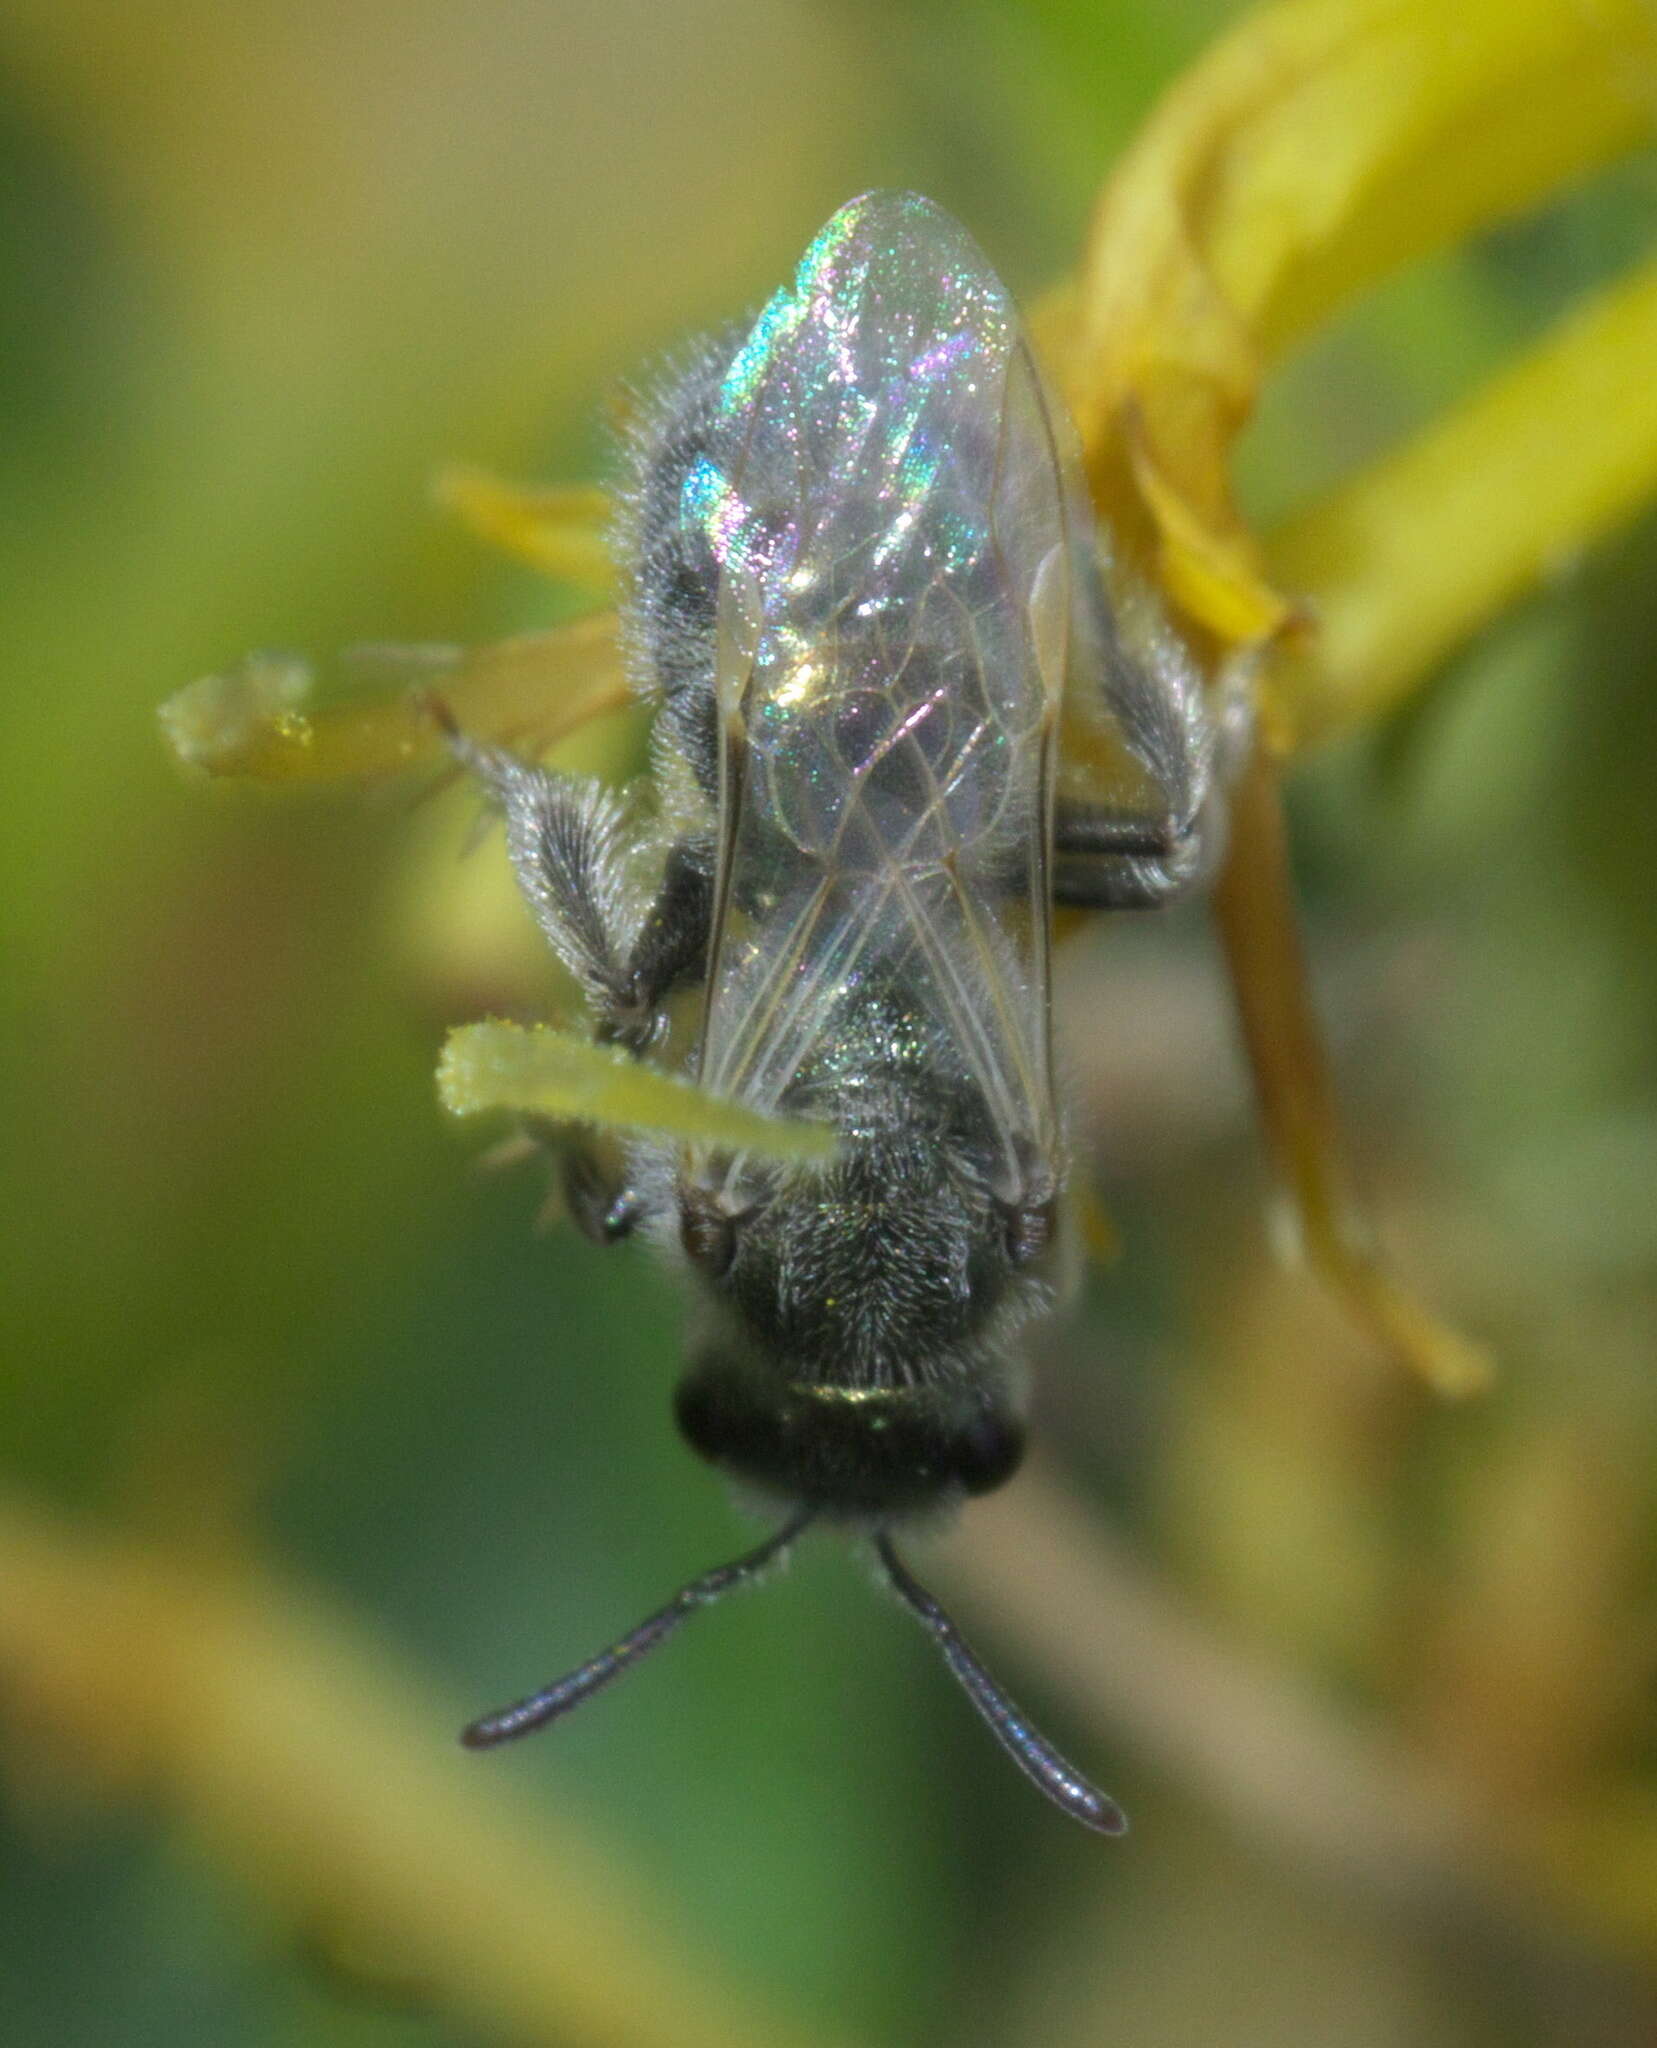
(568, 841)
(669, 948)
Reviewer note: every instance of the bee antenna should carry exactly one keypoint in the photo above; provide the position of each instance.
(526, 1715)
(1035, 1756)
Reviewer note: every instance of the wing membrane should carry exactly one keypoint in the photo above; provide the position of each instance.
(888, 505)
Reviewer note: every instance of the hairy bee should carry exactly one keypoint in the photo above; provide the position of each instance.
(862, 580)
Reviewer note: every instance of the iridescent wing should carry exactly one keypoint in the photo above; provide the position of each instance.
(885, 494)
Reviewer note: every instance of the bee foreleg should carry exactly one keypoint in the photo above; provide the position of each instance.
(601, 1206)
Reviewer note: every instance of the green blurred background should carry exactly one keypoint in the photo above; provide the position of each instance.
(262, 269)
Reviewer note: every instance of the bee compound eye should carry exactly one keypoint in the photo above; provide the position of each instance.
(698, 1412)
(988, 1451)
(1030, 1230)
(726, 1420)
(708, 1236)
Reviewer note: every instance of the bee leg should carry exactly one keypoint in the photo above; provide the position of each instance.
(1191, 744)
(669, 948)
(1109, 859)
(568, 842)
(587, 1188)
(1254, 904)
(601, 1206)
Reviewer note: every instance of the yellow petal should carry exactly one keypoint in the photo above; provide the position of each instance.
(509, 1066)
(1211, 575)
(256, 720)
(1437, 537)
(1254, 907)
(1318, 146)
(559, 530)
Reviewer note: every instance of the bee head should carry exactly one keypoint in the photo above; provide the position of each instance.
(873, 1453)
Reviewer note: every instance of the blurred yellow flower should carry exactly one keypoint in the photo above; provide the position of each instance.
(1318, 147)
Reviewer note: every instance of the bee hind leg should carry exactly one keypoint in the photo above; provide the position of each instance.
(1110, 859)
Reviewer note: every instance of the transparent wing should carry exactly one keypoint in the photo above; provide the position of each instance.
(886, 498)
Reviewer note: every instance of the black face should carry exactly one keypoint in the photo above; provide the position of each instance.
(879, 1452)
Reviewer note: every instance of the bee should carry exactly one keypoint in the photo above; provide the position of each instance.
(863, 587)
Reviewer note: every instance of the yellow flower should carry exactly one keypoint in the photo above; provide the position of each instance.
(1314, 150)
